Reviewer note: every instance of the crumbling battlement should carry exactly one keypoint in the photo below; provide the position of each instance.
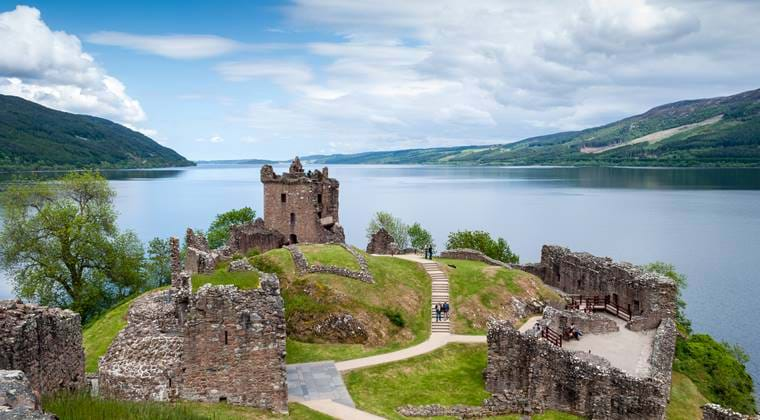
(218, 344)
(527, 374)
(303, 206)
(44, 343)
(648, 297)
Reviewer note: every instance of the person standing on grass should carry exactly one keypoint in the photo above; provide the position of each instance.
(437, 312)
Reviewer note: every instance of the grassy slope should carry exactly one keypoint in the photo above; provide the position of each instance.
(329, 255)
(478, 291)
(685, 399)
(242, 279)
(82, 406)
(447, 376)
(400, 287)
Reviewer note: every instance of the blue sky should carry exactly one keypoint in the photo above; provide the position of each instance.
(276, 79)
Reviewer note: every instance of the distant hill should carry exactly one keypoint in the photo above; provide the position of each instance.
(35, 137)
(722, 131)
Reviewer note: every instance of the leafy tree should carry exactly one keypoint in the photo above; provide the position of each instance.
(158, 267)
(497, 249)
(395, 227)
(419, 237)
(219, 230)
(60, 242)
(669, 270)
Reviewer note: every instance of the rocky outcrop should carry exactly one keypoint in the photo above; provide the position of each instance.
(17, 400)
(473, 255)
(44, 343)
(254, 236)
(382, 243)
(341, 328)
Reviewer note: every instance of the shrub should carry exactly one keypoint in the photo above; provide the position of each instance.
(419, 237)
(395, 317)
(479, 240)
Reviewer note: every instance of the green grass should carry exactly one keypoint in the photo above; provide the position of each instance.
(479, 290)
(685, 399)
(329, 255)
(82, 406)
(450, 375)
(241, 279)
(716, 372)
(100, 332)
(401, 288)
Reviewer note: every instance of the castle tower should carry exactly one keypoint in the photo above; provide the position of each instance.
(303, 206)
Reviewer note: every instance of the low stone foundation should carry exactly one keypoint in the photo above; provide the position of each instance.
(303, 267)
(472, 255)
(254, 236)
(44, 343)
(587, 323)
(716, 412)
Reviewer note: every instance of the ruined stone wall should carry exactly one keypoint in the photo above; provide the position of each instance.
(234, 346)
(302, 206)
(473, 255)
(17, 399)
(219, 344)
(249, 236)
(382, 243)
(650, 297)
(303, 267)
(144, 360)
(44, 343)
(527, 374)
(588, 323)
(716, 412)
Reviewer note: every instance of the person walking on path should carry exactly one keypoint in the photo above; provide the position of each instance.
(430, 252)
(437, 312)
(446, 310)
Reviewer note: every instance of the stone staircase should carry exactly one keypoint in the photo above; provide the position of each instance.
(440, 295)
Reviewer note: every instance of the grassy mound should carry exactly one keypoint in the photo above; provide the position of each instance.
(82, 406)
(450, 375)
(478, 291)
(329, 255)
(394, 310)
(242, 279)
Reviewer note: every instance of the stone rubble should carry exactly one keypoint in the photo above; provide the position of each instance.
(17, 399)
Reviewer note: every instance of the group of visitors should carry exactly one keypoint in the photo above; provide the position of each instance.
(442, 311)
(429, 252)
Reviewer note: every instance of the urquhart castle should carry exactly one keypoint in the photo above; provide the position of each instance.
(220, 343)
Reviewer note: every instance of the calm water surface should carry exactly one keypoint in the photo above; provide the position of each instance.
(706, 222)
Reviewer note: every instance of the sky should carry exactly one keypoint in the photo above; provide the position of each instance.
(242, 79)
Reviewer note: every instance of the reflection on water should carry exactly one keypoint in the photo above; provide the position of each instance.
(705, 221)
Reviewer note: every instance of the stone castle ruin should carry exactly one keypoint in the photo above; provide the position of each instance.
(622, 366)
(44, 343)
(303, 206)
(219, 344)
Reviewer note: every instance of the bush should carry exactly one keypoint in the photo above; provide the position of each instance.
(419, 237)
(479, 240)
(219, 231)
(395, 317)
(716, 371)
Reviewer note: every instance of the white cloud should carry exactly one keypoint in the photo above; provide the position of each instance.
(488, 71)
(171, 46)
(50, 67)
(213, 139)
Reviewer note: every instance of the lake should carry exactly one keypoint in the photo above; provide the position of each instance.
(705, 221)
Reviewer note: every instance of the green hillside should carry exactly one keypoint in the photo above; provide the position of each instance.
(721, 131)
(35, 137)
